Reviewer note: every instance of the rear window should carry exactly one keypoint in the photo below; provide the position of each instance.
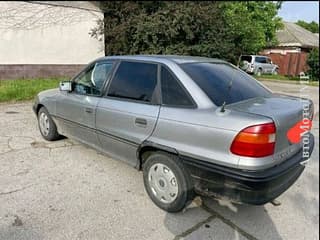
(246, 58)
(222, 82)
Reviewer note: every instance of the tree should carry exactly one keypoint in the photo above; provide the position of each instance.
(213, 29)
(312, 26)
(189, 28)
(252, 24)
(313, 63)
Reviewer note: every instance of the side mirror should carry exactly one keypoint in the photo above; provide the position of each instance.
(65, 86)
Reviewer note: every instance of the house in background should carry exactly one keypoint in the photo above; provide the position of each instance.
(47, 38)
(294, 44)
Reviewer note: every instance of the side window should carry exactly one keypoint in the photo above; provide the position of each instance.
(261, 59)
(134, 80)
(100, 74)
(91, 81)
(172, 92)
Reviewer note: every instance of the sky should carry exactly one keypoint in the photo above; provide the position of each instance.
(300, 10)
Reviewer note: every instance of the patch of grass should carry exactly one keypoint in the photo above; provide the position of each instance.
(25, 89)
(286, 79)
(277, 77)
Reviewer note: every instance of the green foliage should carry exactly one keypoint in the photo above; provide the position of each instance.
(252, 24)
(214, 29)
(313, 63)
(25, 89)
(312, 26)
(182, 28)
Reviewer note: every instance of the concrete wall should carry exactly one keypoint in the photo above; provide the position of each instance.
(40, 34)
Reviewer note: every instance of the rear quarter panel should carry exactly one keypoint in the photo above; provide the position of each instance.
(205, 134)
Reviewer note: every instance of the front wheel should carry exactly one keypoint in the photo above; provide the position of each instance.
(47, 126)
(276, 71)
(167, 182)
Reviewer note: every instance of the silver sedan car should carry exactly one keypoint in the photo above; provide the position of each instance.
(193, 125)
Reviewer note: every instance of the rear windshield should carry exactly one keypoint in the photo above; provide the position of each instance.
(222, 82)
(246, 58)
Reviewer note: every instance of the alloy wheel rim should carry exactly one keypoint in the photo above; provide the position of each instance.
(163, 183)
(44, 124)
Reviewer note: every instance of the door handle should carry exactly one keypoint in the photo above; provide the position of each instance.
(88, 110)
(141, 121)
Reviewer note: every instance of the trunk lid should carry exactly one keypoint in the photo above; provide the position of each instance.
(286, 112)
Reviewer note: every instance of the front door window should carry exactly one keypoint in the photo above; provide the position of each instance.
(91, 81)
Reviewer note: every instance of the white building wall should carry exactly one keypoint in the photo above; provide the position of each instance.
(33, 33)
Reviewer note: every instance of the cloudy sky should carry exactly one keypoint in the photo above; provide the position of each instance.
(300, 10)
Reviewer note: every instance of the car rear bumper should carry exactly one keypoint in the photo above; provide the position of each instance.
(250, 70)
(249, 187)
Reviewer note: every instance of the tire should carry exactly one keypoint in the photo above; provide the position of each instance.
(259, 72)
(244, 65)
(47, 127)
(276, 71)
(167, 182)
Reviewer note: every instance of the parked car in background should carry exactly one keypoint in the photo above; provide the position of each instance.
(193, 126)
(256, 64)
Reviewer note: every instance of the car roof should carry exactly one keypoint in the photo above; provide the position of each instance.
(254, 56)
(179, 59)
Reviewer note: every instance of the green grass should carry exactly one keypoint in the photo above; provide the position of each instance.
(286, 79)
(277, 77)
(25, 89)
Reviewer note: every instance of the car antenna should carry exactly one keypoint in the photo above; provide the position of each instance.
(223, 106)
(225, 101)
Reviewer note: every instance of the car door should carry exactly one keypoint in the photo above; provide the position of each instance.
(128, 113)
(265, 65)
(258, 62)
(269, 65)
(76, 109)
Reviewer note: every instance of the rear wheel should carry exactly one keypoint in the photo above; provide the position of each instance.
(259, 72)
(167, 182)
(276, 71)
(47, 127)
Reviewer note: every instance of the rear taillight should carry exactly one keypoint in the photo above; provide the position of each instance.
(255, 141)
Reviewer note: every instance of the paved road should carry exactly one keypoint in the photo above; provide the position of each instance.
(63, 190)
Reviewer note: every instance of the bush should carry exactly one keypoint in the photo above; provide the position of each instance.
(222, 30)
(313, 63)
